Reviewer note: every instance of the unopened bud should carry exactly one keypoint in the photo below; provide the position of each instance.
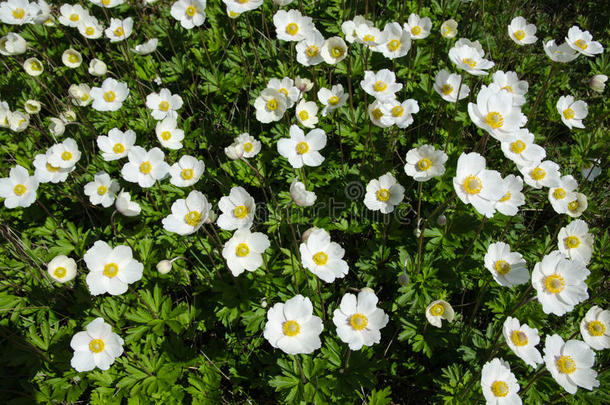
(441, 220)
(164, 266)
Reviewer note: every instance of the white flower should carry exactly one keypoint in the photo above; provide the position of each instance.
(521, 32)
(303, 84)
(168, 135)
(577, 205)
(447, 84)
(12, 44)
(107, 3)
(572, 111)
(19, 189)
(562, 53)
(512, 198)
(383, 194)
(582, 42)
(244, 251)
(125, 206)
(397, 41)
(111, 270)
(287, 88)
(145, 167)
(45, 173)
(97, 347)
(190, 13)
(590, 169)
(544, 174)
(449, 28)
(597, 82)
(381, 85)
(71, 15)
(110, 96)
(147, 47)
(68, 116)
(119, 30)
(18, 121)
(358, 320)
(102, 190)
(97, 67)
(561, 195)
(186, 172)
(332, 99)
(419, 28)
(245, 146)
(468, 57)
(522, 340)
(425, 162)
(323, 257)
(164, 266)
(292, 327)
(397, 113)
(307, 113)
(510, 82)
(90, 28)
(164, 104)
(71, 58)
(80, 94)
(64, 155)
(4, 114)
(334, 50)
(291, 25)
(377, 116)
(270, 106)
(56, 126)
(521, 148)
(62, 268)
(477, 186)
(301, 149)
(238, 209)
(33, 67)
(241, 6)
(499, 384)
(495, 113)
(188, 215)
(349, 28)
(18, 12)
(570, 363)
(595, 328)
(308, 49)
(507, 268)
(439, 310)
(560, 283)
(575, 241)
(117, 144)
(370, 36)
(300, 195)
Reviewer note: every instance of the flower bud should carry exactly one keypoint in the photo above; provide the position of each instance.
(303, 84)
(598, 83)
(417, 232)
(164, 266)
(97, 67)
(441, 220)
(234, 151)
(300, 195)
(403, 279)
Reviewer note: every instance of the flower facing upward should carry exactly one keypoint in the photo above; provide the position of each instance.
(383, 194)
(186, 171)
(582, 42)
(439, 310)
(476, 185)
(575, 241)
(71, 58)
(64, 155)
(62, 268)
(190, 13)
(543, 174)
(164, 104)
(470, 59)
(323, 257)
(107, 3)
(46, 173)
(577, 205)
(168, 134)
(102, 189)
(244, 251)
(570, 363)
(238, 209)
(381, 85)
(595, 328)
(308, 49)
(560, 196)
(292, 327)
(521, 32)
(291, 25)
(507, 268)
(572, 111)
(110, 96)
(358, 320)
(270, 106)
(522, 340)
(287, 88)
(188, 215)
(90, 28)
(397, 41)
(334, 50)
(111, 270)
(117, 144)
(119, 30)
(512, 198)
(97, 346)
(397, 113)
(241, 6)
(332, 99)
(499, 384)
(522, 150)
(349, 28)
(33, 67)
(19, 189)
(307, 113)
(18, 12)
(302, 150)
(370, 36)
(425, 162)
(495, 113)
(510, 82)
(447, 85)
(418, 28)
(560, 283)
(145, 167)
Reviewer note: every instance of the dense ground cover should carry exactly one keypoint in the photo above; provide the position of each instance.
(196, 333)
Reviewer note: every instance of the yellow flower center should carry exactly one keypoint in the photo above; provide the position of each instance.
(89, 30)
(472, 185)
(334, 100)
(186, 174)
(118, 148)
(596, 328)
(502, 267)
(337, 52)
(358, 321)
(85, 97)
(19, 189)
(66, 155)
(18, 13)
(109, 96)
(166, 135)
(508, 88)
(494, 119)
(424, 164)
(101, 190)
(398, 111)
(35, 66)
(60, 272)
(437, 310)
(568, 113)
(111, 270)
(369, 38)
(447, 89)
(416, 30)
(292, 29)
(193, 218)
(518, 146)
(248, 146)
(573, 205)
(242, 250)
(312, 51)
(554, 283)
(380, 86)
(163, 106)
(74, 17)
(191, 11)
(393, 45)
(582, 44)
(283, 91)
(272, 104)
(72, 58)
(470, 62)
(302, 147)
(145, 167)
(291, 328)
(320, 258)
(51, 168)
(538, 174)
(383, 194)
(377, 114)
(240, 211)
(571, 242)
(566, 364)
(559, 193)
(96, 345)
(505, 197)
(519, 338)
(303, 115)
(105, 2)
(499, 388)
(519, 35)
(119, 32)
